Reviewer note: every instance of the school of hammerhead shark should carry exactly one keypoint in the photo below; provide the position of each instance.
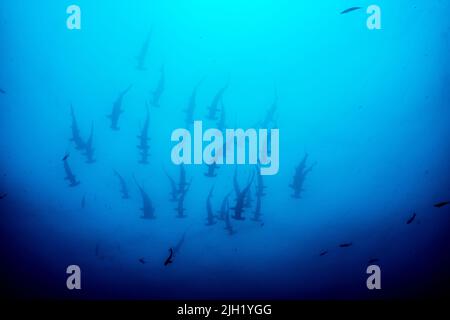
(216, 112)
(243, 197)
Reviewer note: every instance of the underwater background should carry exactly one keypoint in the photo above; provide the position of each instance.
(369, 108)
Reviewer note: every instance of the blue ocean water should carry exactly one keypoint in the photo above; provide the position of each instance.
(370, 108)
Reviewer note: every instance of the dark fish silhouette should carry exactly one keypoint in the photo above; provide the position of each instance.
(211, 173)
(228, 225)
(269, 144)
(323, 253)
(147, 208)
(69, 175)
(240, 201)
(123, 186)
(66, 156)
(2, 91)
(237, 189)
(143, 139)
(350, 10)
(156, 95)
(169, 258)
(346, 245)
(441, 204)
(182, 183)
(221, 123)
(248, 200)
(142, 57)
(257, 212)
(175, 250)
(76, 136)
(410, 220)
(173, 188)
(210, 218)
(117, 109)
(299, 177)
(180, 207)
(373, 260)
(269, 118)
(142, 260)
(224, 207)
(191, 106)
(259, 183)
(3, 196)
(214, 107)
(211, 170)
(89, 150)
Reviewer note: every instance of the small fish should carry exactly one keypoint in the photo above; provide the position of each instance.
(66, 156)
(350, 10)
(169, 259)
(346, 245)
(142, 260)
(373, 260)
(2, 91)
(410, 220)
(323, 253)
(441, 204)
(3, 196)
